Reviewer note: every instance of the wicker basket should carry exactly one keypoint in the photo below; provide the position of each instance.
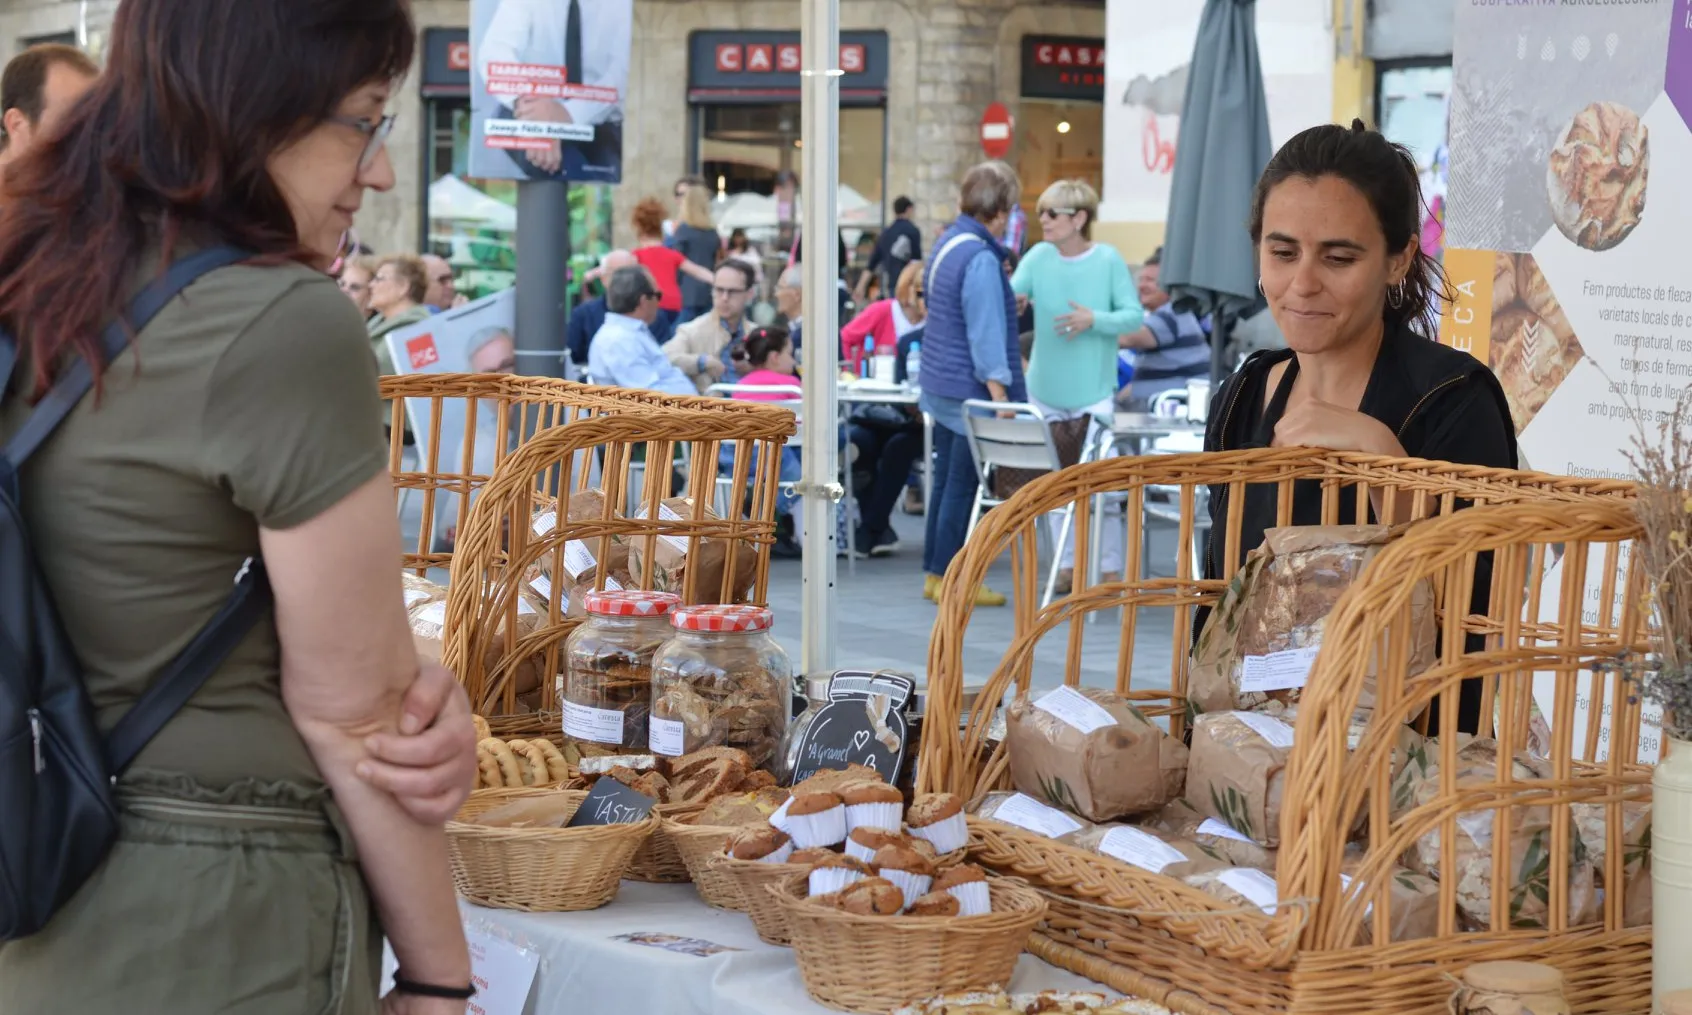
(497, 545)
(539, 870)
(1156, 938)
(749, 878)
(877, 963)
(658, 861)
(698, 846)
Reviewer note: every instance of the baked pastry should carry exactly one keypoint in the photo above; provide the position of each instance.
(708, 781)
(871, 897)
(652, 785)
(498, 765)
(811, 857)
(735, 809)
(685, 765)
(864, 843)
(939, 818)
(872, 804)
(905, 867)
(1596, 175)
(934, 904)
(835, 872)
(974, 1002)
(761, 843)
(759, 779)
(968, 884)
(831, 779)
(815, 819)
(481, 726)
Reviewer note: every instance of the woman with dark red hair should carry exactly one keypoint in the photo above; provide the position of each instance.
(290, 814)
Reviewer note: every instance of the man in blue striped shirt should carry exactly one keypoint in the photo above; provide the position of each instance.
(1170, 347)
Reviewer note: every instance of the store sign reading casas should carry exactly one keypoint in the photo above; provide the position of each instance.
(1063, 67)
(763, 62)
(785, 58)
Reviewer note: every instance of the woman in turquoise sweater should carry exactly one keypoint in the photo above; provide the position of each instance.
(1083, 299)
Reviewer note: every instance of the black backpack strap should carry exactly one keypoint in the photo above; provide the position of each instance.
(188, 672)
(76, 381)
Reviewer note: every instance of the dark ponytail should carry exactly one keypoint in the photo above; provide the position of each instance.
(763, 343)
(1385, 174)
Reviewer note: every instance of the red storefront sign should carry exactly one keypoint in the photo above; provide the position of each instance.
(786, 58)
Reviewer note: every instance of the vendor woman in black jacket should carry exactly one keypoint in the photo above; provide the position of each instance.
(1336, 219)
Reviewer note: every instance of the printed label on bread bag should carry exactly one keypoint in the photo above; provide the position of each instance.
(1075, 709)
(1278, 671)
(1028, 813)
(542, 586)
(1254, 885)
(434, 613)
(666, 736)
(1145, 851)
(545, 522)
(414, 596)
(1278, 733)
(667, 514)
(600, 725)
(578, 559)
(1221, 830)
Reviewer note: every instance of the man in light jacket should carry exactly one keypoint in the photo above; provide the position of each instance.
(706, 348)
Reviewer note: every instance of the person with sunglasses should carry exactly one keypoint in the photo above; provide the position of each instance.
(623, 353)
(711, 349)
(1083, 299)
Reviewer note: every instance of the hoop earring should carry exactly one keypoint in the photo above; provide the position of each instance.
(1395, 295)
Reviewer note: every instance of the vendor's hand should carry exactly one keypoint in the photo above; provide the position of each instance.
(1078, 319)
(536, 107)
(1313, 424)
(430, 764)
(549, 159)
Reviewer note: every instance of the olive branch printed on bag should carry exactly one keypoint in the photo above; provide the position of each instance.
(1233, 808)
(1058, 794)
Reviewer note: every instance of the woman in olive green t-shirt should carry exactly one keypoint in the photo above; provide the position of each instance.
(286, 817)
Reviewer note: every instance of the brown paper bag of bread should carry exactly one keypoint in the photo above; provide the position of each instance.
(675, 557)
(1413, 909)
(1148, 849)
(1261, 640)
(1092, 753)
(1236, 772)
(428, 632)
(1182, 820)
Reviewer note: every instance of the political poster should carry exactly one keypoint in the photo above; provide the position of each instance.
(1564, 216)
(548, 83)
(475, 338)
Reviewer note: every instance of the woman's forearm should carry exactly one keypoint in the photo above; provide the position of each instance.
(404, 861)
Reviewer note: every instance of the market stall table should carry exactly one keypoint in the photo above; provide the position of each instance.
(587, 965)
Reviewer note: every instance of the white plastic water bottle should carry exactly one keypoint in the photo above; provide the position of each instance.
(913, 365)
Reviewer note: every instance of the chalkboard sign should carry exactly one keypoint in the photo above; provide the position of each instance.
(863, 724)
(612, 803)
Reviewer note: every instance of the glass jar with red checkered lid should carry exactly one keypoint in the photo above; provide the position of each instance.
(721, 680)
(606, 687)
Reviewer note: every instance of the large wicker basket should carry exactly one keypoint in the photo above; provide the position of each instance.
(877, 963)
(699, 846)
(543, 870)
(1154, 937)
(658, 861)
(497, 546)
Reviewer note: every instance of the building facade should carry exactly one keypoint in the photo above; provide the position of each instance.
(713, 91)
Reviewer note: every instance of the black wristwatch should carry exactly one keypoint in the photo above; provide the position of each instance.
(412, 987)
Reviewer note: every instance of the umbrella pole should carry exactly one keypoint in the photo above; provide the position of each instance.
(1220, 368)
(820, 122)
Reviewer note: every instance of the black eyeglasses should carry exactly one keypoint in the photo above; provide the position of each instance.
(376, 132)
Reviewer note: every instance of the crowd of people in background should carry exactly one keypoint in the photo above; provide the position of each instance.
(1060, 327)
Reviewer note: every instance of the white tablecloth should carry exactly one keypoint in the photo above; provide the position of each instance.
(583, 971)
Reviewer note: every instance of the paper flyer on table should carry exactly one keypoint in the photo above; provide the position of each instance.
(1566, 220)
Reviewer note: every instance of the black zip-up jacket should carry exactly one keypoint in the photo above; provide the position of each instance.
(1442, 404)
